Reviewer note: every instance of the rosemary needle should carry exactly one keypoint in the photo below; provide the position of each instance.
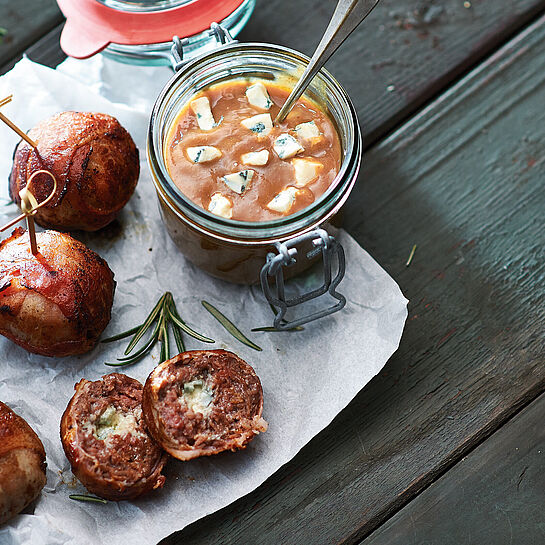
(188, 330)
(120, 336)
(175, 329)
(411, 255)
(229, 326)
(83, 497)
(149, 320)
(276, 330)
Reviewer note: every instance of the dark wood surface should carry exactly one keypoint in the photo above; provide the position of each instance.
(404, 53)
(25, 22)
(464, 181)
(494, 496)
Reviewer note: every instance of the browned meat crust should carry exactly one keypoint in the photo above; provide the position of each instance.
(203, 402)
(58, 302)
(96, 164)
(22, 464)
(113, 464)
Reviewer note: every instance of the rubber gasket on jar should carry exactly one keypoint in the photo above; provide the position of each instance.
(106, 442)
(203, 402)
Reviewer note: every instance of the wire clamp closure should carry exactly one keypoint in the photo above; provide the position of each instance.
(177, 61)
(321, 243)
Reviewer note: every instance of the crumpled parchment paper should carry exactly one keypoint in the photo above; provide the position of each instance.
(307, 376)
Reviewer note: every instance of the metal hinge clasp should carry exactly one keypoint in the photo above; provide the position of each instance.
(287, 256)
(221, 34)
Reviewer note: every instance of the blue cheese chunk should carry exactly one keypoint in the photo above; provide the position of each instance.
(306, 171)
(239, 181)
(308, 131)
(284, 200)
(287, 147)
(258, 96)
(221, 206)
(114, 422)
(197, 396)
(257, 158)
(260, 124)
(201, 108)
(203, 154)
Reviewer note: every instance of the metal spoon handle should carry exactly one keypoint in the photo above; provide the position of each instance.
(347, 16)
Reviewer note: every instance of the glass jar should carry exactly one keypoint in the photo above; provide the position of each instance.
(233, 250)
(159, 54)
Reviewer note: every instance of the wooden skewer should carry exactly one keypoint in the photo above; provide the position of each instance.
(6, 100)
(32, 235)
(29, 206)
(13, 126)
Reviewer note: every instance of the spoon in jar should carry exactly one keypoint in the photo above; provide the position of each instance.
(347, 16)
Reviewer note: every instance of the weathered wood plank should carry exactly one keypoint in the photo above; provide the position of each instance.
(496, 493)
(25, 22)
(464, 181)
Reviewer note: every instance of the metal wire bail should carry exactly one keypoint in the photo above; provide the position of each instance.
(287, 256)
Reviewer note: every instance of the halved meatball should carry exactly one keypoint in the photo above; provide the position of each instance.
(96, 164)
(106, 442)
(203, 402)
(55, 303)
(22, 464)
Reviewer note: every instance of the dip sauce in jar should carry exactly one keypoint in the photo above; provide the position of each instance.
(225, 155)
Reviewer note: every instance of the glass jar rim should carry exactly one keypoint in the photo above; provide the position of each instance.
(229, 229)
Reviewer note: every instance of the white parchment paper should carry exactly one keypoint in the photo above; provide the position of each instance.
(307, 377)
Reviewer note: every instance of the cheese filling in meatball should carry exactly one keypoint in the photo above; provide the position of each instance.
(197, 397)
(115, 422)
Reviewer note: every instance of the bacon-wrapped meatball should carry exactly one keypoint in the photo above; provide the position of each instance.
(55, 303)
(94, 160)
(203, 402)
(22, 464)
(106, 442)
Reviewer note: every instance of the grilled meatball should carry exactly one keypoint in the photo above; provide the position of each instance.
(58, 302)
(106, 442)
(22, 464)
(94, 160)
(203, 402)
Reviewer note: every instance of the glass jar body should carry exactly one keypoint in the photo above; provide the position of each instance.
(234, 250)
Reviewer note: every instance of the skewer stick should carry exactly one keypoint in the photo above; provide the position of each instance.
(6, 100)
(29, 206)
(32, 235)
(13, 126)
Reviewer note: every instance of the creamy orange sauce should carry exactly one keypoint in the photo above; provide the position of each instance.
(205, 182)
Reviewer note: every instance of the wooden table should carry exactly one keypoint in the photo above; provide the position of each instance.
(447, 444)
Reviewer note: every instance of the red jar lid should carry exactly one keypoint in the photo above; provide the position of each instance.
(91, 26)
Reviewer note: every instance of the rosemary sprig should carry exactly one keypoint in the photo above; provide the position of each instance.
(83, 497)
(165, 317)
(229, 326)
